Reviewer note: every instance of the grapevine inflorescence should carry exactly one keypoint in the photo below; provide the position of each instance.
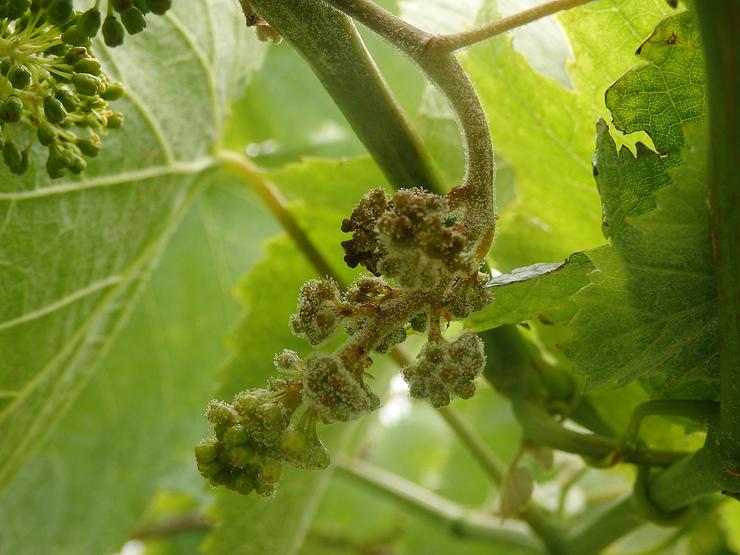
(426, 272)
(52, 86)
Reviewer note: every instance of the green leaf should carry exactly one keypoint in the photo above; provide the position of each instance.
(139, 417)
(327, 192)
(75, 254)
(541, 291)
(667, 89)
(650, 309)
(544, 130)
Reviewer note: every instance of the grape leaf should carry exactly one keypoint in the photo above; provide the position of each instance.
(540, 291)
(327, 191)
(650, 309)
(75, 254)
(667, 90)
(545, 132)
(140, 415)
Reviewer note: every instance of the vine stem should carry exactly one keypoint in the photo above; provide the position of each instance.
(458, 519)
(719, 21)
(456, 41)
(443, 69)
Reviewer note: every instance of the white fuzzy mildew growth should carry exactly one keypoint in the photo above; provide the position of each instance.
(443, 369)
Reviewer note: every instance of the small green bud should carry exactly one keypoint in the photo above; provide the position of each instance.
(271, 472)
(160, 7)
(59, 50)
(12, 155)
(86, 84)
(77, 165)
(235, 435)
(76, 54)
(143, 6)
(11, 109)
(60, 11)
(115, 120)
(133, 20)
(90, 66)
(90, 22)
(243, 484)
(46, 134)
(22, 167)
(209, 469)
(20, 77)
(114, 91)
(113, 32)
(68, 99)
(17, 8)
(54, 110)
(206, 452)
(74, 36)
(88, 147)
(240, 456)
(121, 5)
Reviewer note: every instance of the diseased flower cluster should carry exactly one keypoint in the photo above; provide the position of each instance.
(443, 369)
(52, 85)
(254, 434)
(410, 238)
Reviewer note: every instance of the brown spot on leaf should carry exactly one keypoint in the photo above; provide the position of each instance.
(672, 39)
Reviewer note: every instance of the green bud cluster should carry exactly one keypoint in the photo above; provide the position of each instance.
(52, 85)
(411, 238)
(254, 435)
(443, 369)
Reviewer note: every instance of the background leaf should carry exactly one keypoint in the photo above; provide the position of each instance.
(76, 253)
(133, 428)
(650, 310)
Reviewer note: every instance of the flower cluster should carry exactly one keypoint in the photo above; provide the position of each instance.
(52, 87)
(411, 238)
(254, 434)
(443, 369)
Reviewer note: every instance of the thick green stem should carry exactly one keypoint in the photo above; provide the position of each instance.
(459, 520)
(608, 526)
(332, 47)
(689, 408)
(719, 21)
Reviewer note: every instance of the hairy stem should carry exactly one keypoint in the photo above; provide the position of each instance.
(330, 44)
(719, 21)
(445, 72)
(450, 43)
(422, 502)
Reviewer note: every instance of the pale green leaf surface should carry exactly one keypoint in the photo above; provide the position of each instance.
(539, 291)
(665, 91)
(141, 414)
(650, 310)
(324, 192)
(545, 130)
(75, 252)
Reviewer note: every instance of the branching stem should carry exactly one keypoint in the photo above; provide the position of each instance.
(450, 43)
(459, 520)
